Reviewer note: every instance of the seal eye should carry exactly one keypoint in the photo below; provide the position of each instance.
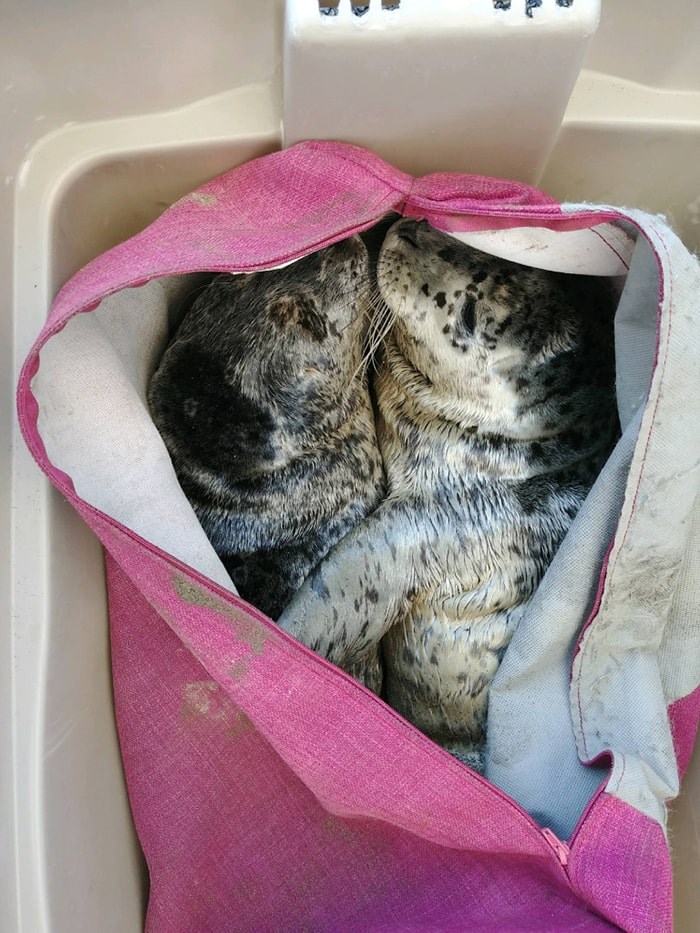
(468, 313)
(299, 310)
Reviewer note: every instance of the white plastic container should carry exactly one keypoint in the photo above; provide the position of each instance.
(145, 134)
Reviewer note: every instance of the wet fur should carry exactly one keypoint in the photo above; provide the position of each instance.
(496, 409)
(264, 408)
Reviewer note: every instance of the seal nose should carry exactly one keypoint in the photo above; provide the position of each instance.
(408, 231)
(468, 314)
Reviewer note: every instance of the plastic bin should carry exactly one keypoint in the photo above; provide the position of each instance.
(631, 135)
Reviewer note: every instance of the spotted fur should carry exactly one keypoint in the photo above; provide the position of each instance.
(496, 408)
(264, 408)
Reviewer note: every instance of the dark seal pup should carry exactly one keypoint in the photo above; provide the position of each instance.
(496, 409)
(262, 401)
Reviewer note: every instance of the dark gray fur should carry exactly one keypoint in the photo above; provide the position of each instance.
(263, 405)
(496, 409)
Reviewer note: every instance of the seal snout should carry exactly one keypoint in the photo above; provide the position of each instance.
(408, 235)
(408, 231)
(348, 249)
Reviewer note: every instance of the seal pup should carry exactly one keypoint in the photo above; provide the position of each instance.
(262, 401)
(496, 409)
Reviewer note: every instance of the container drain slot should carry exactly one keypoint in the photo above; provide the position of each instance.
(331, 7)
(436, 85)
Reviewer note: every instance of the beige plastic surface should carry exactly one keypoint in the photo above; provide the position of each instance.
(436, 84)
(164, 97)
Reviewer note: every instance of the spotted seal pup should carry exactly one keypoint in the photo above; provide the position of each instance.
(496, 408)
(263, 404)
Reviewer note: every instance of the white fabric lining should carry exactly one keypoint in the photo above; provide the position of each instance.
(94, 421)
(605, 249)
(638, 637)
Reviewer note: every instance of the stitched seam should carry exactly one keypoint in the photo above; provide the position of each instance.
(610, 246)
(618, 783)
(346, 157)
(667, 286)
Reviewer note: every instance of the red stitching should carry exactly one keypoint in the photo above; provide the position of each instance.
(584, 653)
(610, 246)
(622, 772)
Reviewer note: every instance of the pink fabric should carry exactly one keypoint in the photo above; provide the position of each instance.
(282, 206)
(269, 790)
(621, 865)
(684, 715)
(234, 840)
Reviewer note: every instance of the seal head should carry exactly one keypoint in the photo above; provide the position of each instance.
(264, 408)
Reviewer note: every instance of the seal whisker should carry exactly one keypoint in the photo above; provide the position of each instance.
(382, 322)
(383, 319)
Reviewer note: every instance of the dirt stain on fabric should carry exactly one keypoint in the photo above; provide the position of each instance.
(204, 699)
(197, 698)
(238, 671)
(206, 200)
(248, 630)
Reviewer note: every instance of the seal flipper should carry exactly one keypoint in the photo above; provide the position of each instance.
(351, 599)
(355, 594)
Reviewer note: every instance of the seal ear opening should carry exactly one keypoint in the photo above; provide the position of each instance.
(564, 339)
(295, 310)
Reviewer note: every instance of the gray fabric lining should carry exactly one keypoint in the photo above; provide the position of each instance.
(531, 742)
(642, 651)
